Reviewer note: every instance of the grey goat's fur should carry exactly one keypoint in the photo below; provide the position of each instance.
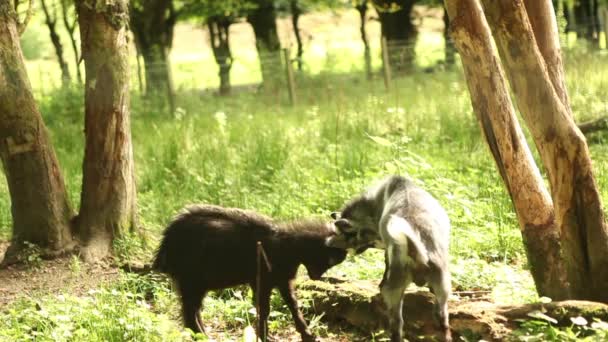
(414, 230)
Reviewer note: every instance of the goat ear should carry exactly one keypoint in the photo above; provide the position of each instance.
(335, 215)
(343, 226)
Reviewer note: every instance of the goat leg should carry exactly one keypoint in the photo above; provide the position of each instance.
(288, 293)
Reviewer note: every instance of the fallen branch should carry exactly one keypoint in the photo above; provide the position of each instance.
(358, 304)
(593, 125)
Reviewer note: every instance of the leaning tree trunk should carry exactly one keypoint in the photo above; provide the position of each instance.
(264, 24)
(39, 204)
(50, 16)
(367, 56)
(152, 24)
(400, 32)
(219, 34)
(296, 12)
(108, 205)
(498, 122)
(562, 147)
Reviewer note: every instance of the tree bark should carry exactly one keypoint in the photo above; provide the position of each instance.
(152, 23)
(400, 32)
(108, 204)
(219, 33)
(498, 122)
(562, 147)
(367, 56)
(51, 21)
(71, 28)
(39, 203)
(263, 22)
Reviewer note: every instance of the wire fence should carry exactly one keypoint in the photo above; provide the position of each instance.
(339, 61)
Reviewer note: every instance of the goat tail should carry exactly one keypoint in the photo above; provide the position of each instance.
(402, 233)
(160, 263)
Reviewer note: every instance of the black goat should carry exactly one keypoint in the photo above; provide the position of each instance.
(209, 247)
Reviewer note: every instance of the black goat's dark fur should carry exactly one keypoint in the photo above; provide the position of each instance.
(208, 247)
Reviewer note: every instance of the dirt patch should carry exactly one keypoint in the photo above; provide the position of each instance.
(63, 275)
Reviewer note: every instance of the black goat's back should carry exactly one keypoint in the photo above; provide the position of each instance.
(213, 247)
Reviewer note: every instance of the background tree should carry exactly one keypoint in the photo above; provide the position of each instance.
(263, 21)
(218, 17)
(108, 198)
(152, 23)
(574, 213)
(362, 6)
(400, 32)
(39, 204)
(49, 7)
(68, 14)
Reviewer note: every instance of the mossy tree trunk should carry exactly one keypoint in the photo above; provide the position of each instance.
(397, 26)
(498, 121)
(263, 20)
(108, 199)
(50, 19)
(219, 34)
(152, 23)
(39, 204)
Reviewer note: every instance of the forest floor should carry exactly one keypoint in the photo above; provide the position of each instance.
(67, 275)
(52, 277)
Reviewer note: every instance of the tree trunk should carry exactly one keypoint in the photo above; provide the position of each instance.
(567, 10)
(367, 56)
(295, 18)
(562, 147)
(108, 204)
(39, 204)
(263, 22)
(71, 28)
(51, 20)
(152, 25)
(400, 32)
(448, 43)
(219, 33)
(587, 21)
(544, 24)
(498, 122)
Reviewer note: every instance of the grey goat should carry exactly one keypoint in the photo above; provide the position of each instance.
(414, 230)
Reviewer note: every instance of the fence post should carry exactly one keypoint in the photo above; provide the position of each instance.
(385, 65)
(291, 84)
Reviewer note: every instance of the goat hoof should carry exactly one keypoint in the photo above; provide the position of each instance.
(310, 338)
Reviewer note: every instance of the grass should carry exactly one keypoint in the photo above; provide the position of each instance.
(254, 151)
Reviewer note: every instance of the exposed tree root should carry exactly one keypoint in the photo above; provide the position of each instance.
(359, 305)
